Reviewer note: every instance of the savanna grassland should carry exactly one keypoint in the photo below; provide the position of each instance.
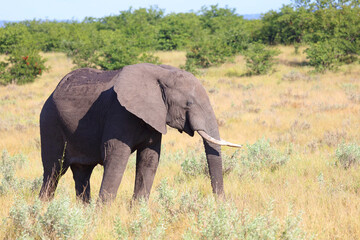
(291, 114)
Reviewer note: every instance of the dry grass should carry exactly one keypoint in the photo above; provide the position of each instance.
(309, 113)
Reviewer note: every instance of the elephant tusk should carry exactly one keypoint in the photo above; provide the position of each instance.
(218, 142)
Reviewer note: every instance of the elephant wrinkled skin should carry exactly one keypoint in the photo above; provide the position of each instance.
(101, 117)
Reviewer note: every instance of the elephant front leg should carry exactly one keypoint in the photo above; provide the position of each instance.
(116, 157)
(147, 161)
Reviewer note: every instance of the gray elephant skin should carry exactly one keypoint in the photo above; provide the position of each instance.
(101, 117)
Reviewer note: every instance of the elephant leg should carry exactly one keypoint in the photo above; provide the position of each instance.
(116, 157)
(54, 164)
(81, 175)
(147, 161)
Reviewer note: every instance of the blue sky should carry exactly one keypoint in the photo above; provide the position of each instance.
(15, 10)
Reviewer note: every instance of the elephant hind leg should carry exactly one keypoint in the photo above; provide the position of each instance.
(53, 159)
(51, 179)
(81, 175)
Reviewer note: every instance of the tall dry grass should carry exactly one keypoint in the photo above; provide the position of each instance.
(302, 114)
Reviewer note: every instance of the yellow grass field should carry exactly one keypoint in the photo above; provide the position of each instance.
(302, 114)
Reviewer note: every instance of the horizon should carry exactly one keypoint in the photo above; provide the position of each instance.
(3, 21)
(78, 10)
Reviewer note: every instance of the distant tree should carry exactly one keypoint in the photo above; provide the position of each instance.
(22, 66)
(259, 59)
(177, 31)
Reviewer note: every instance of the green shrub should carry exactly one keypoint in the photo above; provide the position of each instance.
(348, 155)
(117, 51)
(144, 223)
(207, 52)
(207, 219)
(83, 46)
(324, 55)
(65, 220)
(177, 31)
(330, 54)
(58, 219)
(237, 38)
(230, 162)
(215, 222)
(20, 219)
(23, 65)
(8, 181)
(108, 50)
(148, 58)
(261, 155)
(119, 229)
(8, 165)
(12, 36)
(194, 164)
(166, 197)
(214, 18)
(141, 225)
(259, 59)
(225, 221)
(190, 202)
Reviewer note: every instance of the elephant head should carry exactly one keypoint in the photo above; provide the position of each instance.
(164, 95)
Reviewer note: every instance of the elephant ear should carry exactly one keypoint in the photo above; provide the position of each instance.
(138, 90)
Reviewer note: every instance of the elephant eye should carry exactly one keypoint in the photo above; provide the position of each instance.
(189, 103)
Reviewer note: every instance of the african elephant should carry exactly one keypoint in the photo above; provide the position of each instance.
(101, 117)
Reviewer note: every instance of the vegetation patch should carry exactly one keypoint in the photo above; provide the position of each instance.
(259, 59)
(261, 155)
(348, 155)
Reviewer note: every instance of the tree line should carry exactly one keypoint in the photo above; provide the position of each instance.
(329, 28)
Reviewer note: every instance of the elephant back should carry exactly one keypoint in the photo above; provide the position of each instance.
(79, 90)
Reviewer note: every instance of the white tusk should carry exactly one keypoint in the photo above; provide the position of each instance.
(218, 142)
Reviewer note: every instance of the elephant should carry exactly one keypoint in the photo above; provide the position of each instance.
(101, 117)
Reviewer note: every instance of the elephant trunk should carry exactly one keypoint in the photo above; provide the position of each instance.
(203, 121)
(206, 125)
(213, 157)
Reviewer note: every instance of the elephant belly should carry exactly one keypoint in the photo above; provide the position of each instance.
(83, 148)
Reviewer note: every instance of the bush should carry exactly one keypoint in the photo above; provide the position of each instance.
(230, 162)
(108, 50)
(8, 180)
(347, 155)
(83, 45)
(166, 197)
(23, 65)
(177, 31)
(193, 164)
(145, 223)
(207, 219)
(261, 155)
(225, 221)
(117, 51)
(237, 38)
(56, 220)
(142, 223)
(8, 165)
(12, 36)
(324, 55)
(259, 59)
(119, 229)
(330, 54)
(207, 52)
